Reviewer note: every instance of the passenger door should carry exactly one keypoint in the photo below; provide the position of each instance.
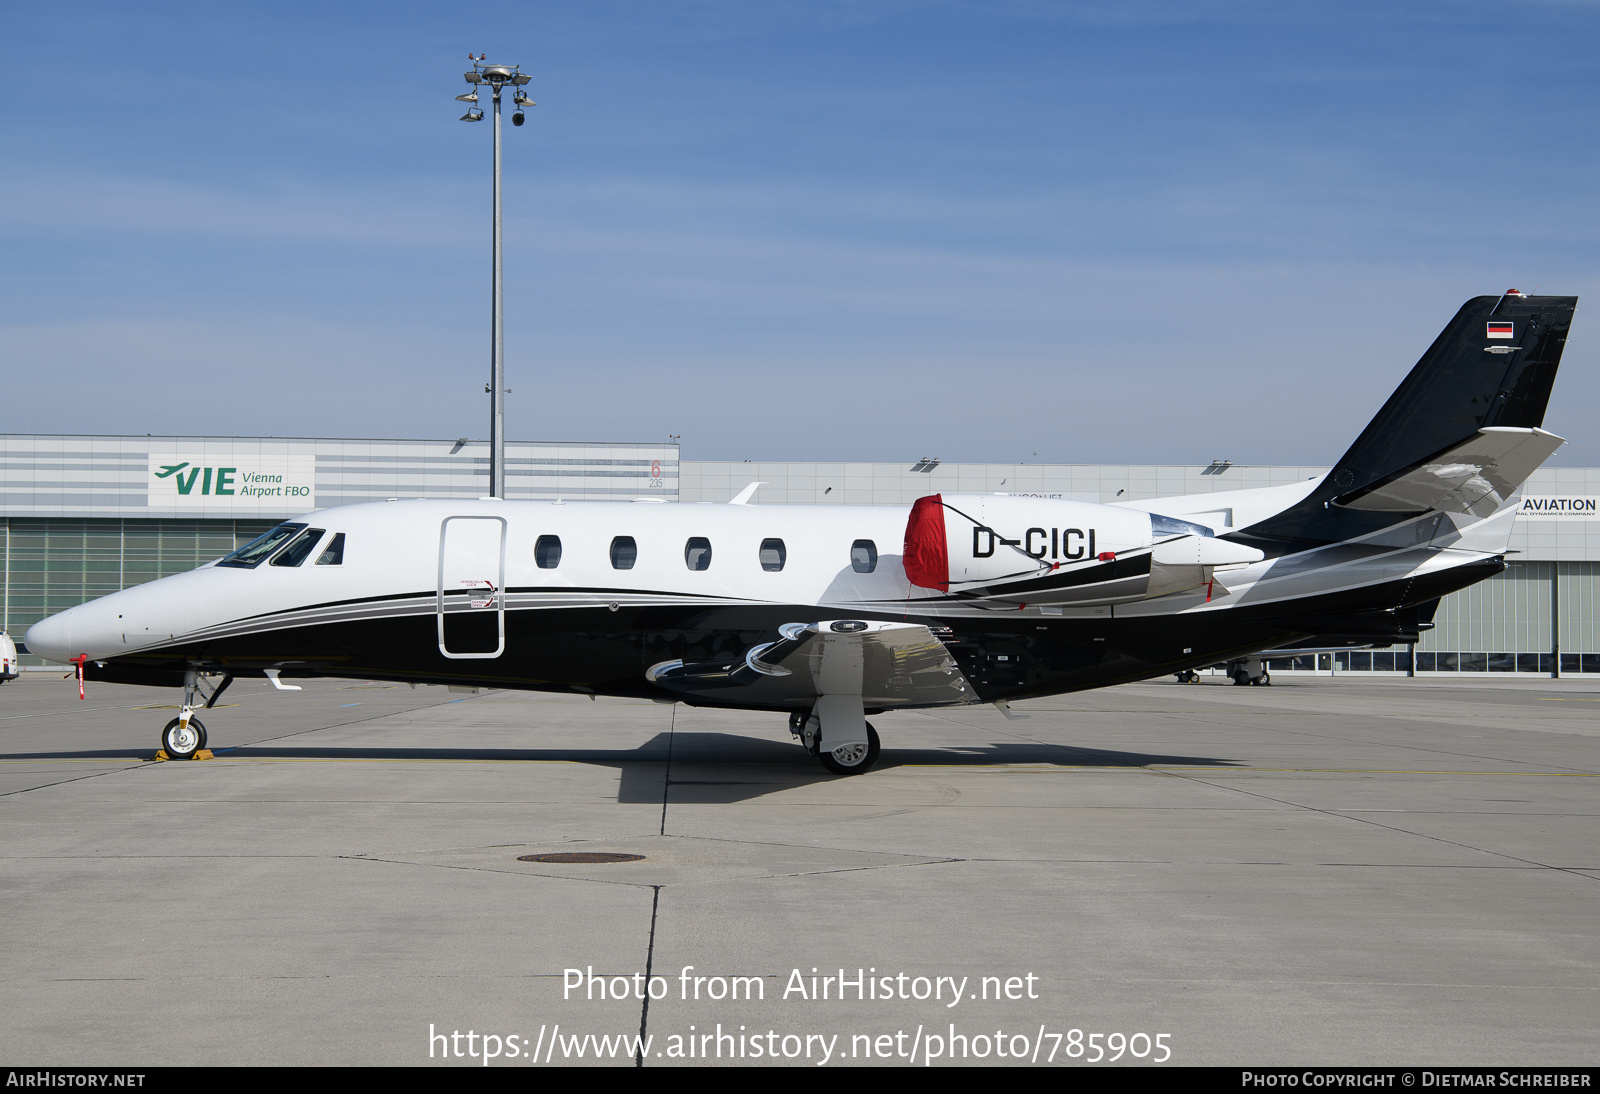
(471, 596)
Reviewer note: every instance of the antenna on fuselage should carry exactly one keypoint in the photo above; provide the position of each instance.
(743, 497)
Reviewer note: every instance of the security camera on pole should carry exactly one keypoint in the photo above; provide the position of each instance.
(496, 77)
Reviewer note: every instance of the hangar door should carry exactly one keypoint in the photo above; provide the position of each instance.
(472, 578)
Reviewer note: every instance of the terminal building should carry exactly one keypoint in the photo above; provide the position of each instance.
(87, 516)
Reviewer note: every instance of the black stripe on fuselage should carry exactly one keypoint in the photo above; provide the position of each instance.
(433, 594)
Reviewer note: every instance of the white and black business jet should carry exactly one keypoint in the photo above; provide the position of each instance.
(833, 613)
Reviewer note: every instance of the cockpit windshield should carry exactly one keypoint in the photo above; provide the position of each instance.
(296, 552)
(252, 554)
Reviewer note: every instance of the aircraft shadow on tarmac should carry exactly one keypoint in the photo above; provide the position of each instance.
(699, 768)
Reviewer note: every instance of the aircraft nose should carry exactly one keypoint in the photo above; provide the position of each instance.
(52, 638)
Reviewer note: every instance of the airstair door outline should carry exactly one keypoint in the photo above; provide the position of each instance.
(471, 604)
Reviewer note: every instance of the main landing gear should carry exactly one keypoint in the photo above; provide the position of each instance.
(185, 736)
(1249, 671)
(847, 758)
(1243, 671)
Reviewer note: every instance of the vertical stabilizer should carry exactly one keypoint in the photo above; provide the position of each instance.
(1491, 369)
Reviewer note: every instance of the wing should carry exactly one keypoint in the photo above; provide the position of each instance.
(887, 664)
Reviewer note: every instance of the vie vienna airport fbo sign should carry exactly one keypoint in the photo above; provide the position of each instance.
(231, 481)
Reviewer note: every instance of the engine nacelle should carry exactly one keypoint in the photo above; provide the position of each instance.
(1046, 551)
(960, 539)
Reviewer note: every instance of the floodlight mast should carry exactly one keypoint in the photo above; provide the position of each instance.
(496, 76)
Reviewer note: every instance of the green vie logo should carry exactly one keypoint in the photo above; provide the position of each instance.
(223, 478)
(230, 482)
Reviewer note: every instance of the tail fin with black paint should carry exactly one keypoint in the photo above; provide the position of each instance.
(1460, 433)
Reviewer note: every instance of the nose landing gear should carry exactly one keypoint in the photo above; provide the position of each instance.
(184, 738)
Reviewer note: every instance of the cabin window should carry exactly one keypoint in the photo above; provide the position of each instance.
(255, 552)
(333, 553)
(300, 549)
(547, 552)
(773, 555)
(624, 552)
(697, 553)
(863, 556)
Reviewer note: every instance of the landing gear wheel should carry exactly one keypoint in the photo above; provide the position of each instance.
(852, 759)
(1266, 680)
(180, 743)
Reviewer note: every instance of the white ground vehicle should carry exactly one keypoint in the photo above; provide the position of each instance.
(8, 658)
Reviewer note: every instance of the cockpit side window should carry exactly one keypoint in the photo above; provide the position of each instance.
(333, 553)
(255, 552)
(300, 549)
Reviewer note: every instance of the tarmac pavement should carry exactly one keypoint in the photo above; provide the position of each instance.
(1326, 871)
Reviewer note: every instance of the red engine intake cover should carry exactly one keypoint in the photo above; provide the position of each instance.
(927, 559)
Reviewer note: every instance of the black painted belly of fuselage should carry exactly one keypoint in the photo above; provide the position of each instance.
(1009, 655)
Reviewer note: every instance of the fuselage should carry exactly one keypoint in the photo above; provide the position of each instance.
(587, 596)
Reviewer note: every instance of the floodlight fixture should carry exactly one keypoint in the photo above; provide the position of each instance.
(497, 76)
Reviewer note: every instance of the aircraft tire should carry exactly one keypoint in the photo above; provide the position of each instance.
(1241, 679)
(180, 745)
(854, 759)
(1266, 680)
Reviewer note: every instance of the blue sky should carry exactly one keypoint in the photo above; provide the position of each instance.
(1036, 232)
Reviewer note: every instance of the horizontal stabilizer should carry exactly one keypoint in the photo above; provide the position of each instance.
(1477, 476)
